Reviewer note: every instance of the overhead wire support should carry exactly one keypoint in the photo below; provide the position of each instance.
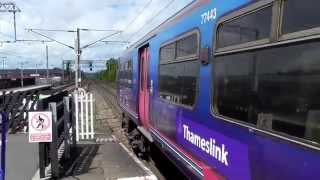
(101, 39)
(11, 8)
(104, 30)
(77, 47)
(32, 30)
(86, 60)
(33, 40)
(115, 42)
(26, 40)
(54, 30)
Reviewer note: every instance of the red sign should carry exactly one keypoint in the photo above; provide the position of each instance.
(40, 126)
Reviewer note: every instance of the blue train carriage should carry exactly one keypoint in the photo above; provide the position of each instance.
(229, 89)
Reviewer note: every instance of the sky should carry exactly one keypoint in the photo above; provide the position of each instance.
(134, 18)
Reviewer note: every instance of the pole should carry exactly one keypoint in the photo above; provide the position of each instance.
(78, 53)
(15, 25)
(47, 61)
(62, 71)
(3, 65)
(21, 74)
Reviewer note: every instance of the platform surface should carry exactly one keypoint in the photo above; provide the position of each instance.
(21, 158)
(25, 88)
(109, 157)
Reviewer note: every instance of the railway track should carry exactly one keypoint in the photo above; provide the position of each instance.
(158, 162)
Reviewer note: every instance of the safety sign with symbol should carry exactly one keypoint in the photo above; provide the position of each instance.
(40, 126)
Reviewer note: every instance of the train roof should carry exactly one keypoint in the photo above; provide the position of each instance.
(188, 9)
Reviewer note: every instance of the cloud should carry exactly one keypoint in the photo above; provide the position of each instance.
(70, 14)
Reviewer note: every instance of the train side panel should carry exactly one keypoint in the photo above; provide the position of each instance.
(128, 84)
(203, 144)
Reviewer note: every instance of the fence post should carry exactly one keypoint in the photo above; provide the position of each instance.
(87, 115)
(66, 118)
(91, 115)
(81, 117)
(74, 123)
(42, 149)
(54, 145)
(76, 102)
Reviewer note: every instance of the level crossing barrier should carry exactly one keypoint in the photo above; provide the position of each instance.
(63, 134)
(84, 114)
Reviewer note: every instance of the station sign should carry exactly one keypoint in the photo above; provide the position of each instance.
(40, 126)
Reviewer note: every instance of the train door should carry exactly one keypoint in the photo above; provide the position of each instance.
(143, 89)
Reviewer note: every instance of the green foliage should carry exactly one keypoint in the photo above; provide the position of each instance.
(110, 74)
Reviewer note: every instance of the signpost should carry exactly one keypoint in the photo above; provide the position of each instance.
(40, 126)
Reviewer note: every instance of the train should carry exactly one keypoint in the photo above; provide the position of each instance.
(228, 90)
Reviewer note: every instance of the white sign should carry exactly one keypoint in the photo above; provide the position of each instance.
(40, 126)
(34, 75)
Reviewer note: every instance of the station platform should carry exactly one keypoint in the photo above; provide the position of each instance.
(109, 157)
(21, 157)
(25, 88)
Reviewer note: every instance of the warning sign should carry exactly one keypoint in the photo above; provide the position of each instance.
(40, 126)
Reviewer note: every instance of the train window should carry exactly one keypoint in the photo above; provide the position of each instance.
(189, 80)
(300, 15)
(178, 82)
(168, 53)
(170, 81)
(129, 77)
(125, 74)
(178, 79)
(233, 85)
(275, 89)
(187, 46)
(247, 28)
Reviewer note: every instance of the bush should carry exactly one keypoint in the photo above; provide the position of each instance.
(110, 74)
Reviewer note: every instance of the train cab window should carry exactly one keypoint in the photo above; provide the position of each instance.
(300, 15)
(251, 27)
(275, 89)
(178, 76)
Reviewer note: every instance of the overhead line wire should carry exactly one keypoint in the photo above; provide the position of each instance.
(138, 15)
(151, 19)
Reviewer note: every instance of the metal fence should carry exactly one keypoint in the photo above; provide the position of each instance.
(16, 104)
(63, 134)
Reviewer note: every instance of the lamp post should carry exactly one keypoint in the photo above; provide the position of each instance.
(3, 64)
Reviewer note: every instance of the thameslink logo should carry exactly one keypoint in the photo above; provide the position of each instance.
(209, 146)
